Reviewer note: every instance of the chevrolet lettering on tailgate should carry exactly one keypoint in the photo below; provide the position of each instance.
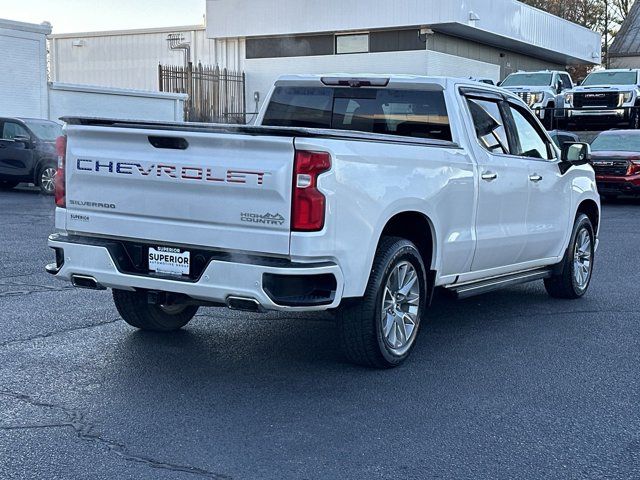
(203, 174)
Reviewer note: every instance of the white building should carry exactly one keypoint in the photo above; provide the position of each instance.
(130, 58)
(476, 38)
(267, 38)
(23, 69)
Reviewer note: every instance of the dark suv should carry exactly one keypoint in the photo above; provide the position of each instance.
(28, 153)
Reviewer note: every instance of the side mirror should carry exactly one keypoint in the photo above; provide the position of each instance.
(499, 84)
(574, 154)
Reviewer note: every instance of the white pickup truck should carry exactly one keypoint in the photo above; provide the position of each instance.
(359, 195)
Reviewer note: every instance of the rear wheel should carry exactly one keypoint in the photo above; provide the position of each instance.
(47, 179)
(634, 119)
(135, 309)
(549, 113)
(577, 266)
(380, 330)
(7, 184)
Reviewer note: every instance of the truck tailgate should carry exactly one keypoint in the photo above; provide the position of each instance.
(228, 191)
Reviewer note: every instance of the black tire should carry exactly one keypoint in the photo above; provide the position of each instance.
(360, 321)
(46, 179)
(7, 184)
(134, 309)
(634, 119)
(609, 198)
(549, 113)
(564, 283)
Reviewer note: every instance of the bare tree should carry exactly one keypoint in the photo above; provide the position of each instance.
(603, 16)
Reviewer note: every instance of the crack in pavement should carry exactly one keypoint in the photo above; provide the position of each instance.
(85, 431)
(21, 275)
(55, 333)
(17, 293)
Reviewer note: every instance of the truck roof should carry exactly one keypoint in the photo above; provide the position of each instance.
(395, 79)
(616, 70)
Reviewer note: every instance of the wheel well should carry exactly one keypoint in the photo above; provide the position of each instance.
(590, 209)
(416, 228)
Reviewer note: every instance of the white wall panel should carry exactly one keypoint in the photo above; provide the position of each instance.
(130, 59)
(86, 101)
(23, 69)
(502, 20)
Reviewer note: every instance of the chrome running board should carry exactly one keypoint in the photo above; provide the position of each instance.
(479, 287)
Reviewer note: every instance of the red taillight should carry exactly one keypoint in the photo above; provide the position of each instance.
(309, 204)
(61, 149)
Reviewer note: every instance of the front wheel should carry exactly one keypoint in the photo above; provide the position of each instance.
(547, 121)
(577, 267)
(135, 309)
(380, 330)
(634, 119)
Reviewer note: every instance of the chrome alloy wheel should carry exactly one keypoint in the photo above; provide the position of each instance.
(582, 259)
(401, 308)
(48, 179)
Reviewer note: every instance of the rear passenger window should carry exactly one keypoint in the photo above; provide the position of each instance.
(489, 125)
(406, 113)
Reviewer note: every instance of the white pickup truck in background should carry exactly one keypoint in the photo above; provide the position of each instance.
(359, 195)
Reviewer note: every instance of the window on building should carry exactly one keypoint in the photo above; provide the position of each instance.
(352, 43)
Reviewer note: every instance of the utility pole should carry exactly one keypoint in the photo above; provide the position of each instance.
(606, 33)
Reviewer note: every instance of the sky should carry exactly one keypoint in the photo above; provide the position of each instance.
(91, 15)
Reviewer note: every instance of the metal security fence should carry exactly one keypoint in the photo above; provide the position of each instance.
(215, 95)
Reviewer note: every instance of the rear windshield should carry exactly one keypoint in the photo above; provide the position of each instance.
(611, 78)
(616, 142)
(407, 113)
(528, 80)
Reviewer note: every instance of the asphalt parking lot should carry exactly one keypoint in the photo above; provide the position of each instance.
(509, 385)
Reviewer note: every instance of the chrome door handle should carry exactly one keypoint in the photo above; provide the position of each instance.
(489, 176)
(535, 178)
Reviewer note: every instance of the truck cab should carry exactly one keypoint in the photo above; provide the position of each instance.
(609, 96)
(541, 91)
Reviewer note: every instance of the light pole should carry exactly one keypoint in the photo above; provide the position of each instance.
(606, 33)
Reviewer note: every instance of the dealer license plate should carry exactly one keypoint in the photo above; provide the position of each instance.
(169, 261)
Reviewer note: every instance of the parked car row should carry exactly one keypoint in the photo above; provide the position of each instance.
(615, 157)
(28, 153)
(607, 98)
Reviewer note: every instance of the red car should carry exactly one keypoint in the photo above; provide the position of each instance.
(615, 156)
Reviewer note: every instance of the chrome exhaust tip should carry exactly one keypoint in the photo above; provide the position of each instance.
(244, 304)
(86, 282)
